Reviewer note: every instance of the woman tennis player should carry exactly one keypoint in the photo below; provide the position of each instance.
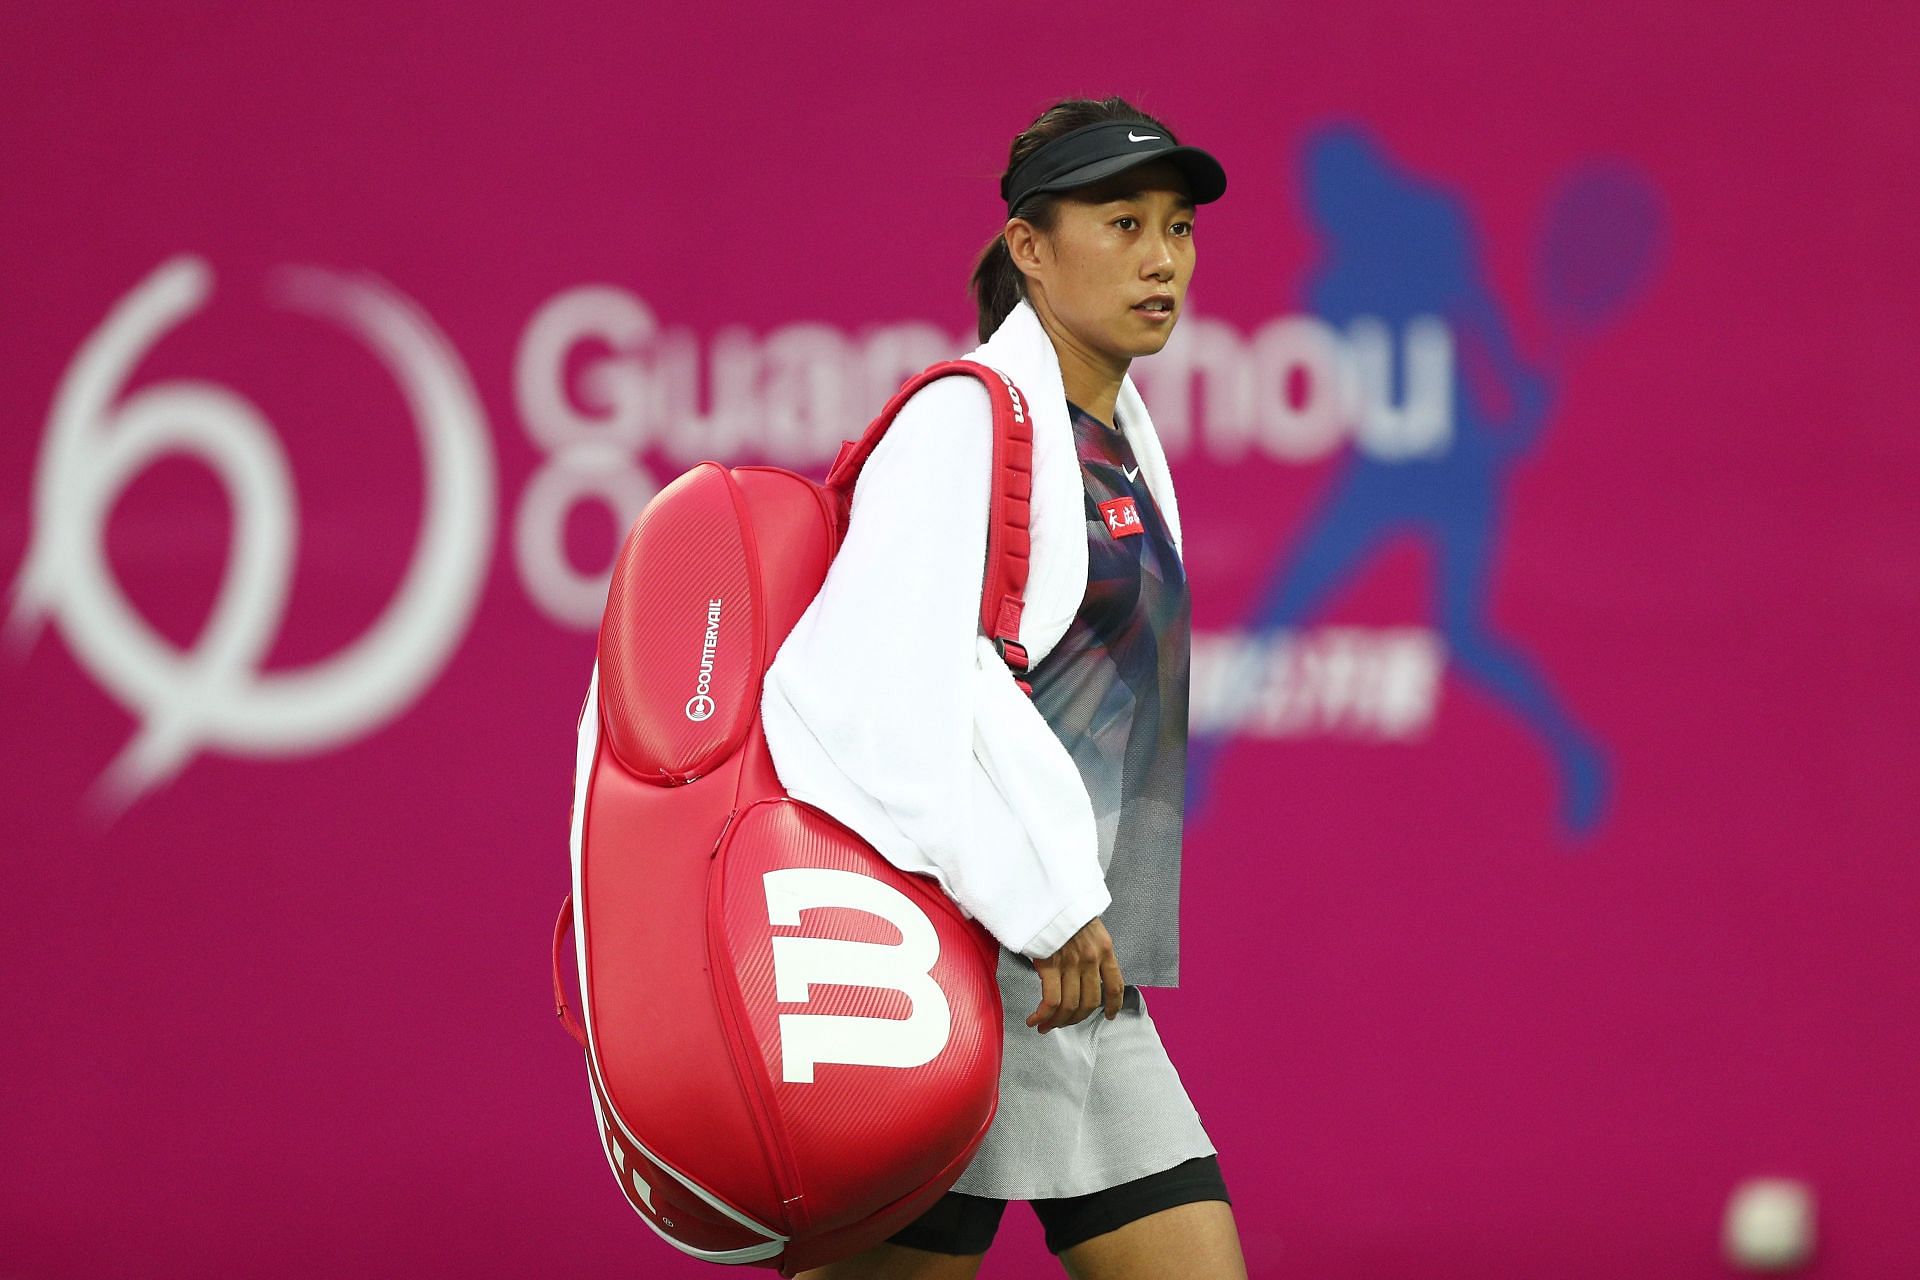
(1054, 819)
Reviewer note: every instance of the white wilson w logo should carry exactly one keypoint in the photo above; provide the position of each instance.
(807, 1039)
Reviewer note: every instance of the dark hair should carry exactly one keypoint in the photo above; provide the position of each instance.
(997, 284)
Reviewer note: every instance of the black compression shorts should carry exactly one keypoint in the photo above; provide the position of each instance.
(963, 1224)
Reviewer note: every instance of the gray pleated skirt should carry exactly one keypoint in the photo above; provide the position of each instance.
(1082, 1108)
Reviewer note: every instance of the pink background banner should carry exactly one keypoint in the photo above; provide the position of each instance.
(1543, 430)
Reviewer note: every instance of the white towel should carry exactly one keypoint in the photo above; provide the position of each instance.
(887, 706)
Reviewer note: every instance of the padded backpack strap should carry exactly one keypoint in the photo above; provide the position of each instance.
(1003, 593)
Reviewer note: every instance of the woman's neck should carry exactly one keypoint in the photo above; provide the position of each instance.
(1091, 379)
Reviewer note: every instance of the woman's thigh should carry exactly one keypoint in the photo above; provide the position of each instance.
(1195, 1241)
(897, 1262)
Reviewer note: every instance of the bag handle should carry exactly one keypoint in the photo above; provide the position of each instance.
(561, 928)
(1009, 542)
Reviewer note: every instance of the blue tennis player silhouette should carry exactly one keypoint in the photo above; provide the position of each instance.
(1396, 248)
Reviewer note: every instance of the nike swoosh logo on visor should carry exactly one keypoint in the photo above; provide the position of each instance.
(1141, 137)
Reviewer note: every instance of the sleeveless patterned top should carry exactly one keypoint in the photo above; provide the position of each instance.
(1114, 691)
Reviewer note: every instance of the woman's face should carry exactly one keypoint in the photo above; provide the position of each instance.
(1115, 245)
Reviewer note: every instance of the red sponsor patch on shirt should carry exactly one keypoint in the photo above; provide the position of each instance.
(1122, 517)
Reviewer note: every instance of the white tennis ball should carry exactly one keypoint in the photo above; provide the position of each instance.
(1769, 1225)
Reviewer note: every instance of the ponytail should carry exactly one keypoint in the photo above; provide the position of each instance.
(998, 285)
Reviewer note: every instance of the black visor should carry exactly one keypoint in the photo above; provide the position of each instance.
(1096, 151)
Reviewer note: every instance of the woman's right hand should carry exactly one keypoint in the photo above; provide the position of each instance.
(1083, 975)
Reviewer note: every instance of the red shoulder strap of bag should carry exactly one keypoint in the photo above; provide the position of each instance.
(1003, 594)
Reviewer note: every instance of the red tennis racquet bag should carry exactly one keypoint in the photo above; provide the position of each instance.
(793, 1047)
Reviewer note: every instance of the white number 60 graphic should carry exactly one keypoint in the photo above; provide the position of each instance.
(214, 694)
